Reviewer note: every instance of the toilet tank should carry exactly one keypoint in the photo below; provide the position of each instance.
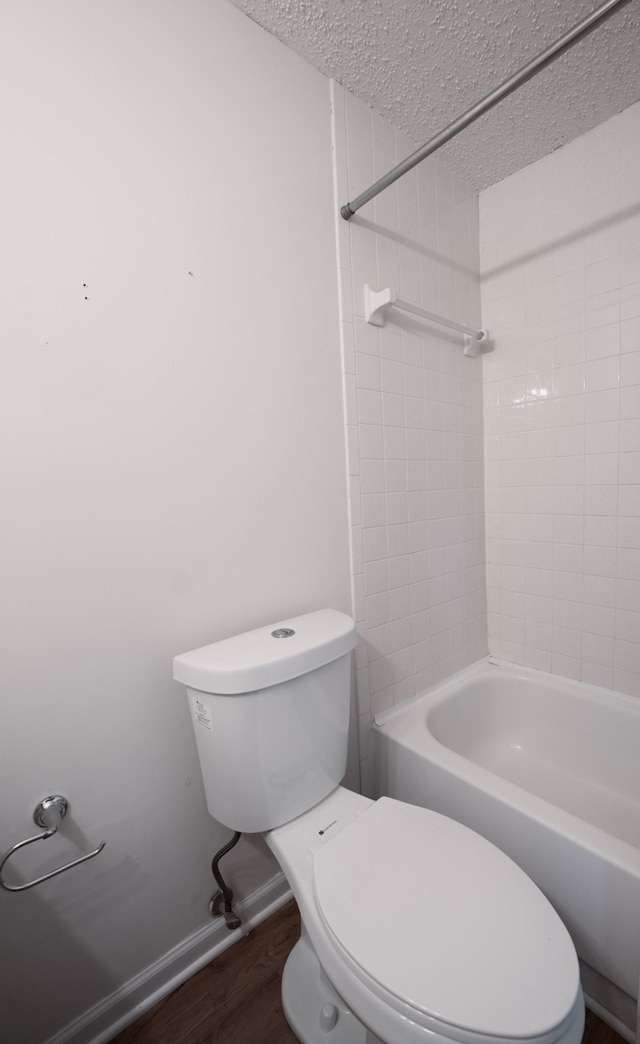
(270, 712)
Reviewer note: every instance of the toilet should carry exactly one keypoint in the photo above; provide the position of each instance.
(415, 929)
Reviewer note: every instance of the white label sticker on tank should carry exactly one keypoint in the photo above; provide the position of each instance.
(201, 713)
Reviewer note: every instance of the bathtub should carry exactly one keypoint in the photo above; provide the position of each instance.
(549, 770)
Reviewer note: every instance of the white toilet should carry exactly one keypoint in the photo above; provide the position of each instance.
(415, 929)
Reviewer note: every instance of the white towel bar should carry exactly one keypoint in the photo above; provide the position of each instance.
(376, 303)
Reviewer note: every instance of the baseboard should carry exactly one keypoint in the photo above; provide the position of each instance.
(609, 1003)
(102, 1022)
(611, 1020)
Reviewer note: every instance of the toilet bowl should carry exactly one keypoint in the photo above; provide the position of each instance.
(415, 930)
(425, 931)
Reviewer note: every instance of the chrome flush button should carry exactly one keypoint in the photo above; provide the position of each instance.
(282, 632)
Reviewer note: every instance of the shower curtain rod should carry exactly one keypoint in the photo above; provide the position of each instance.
(527, 71)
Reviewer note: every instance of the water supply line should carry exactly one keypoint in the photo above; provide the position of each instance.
(221, 901)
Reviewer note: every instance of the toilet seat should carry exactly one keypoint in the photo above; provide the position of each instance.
(443, 927)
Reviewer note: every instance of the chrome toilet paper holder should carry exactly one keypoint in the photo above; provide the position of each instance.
(49, 814)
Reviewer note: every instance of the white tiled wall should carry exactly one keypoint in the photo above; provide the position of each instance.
(414, 419)
(560, 249)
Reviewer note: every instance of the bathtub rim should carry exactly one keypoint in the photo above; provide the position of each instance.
(394, 723)
(479, 667)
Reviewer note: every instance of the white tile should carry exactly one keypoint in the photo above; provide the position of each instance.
(569, 529)
(368, 371)
(598, 620)
(374, 544)
(395, 481)
(627, 657)
(599, 561)
(367, 337)
(602, 341)
(569, 441)
(568, 642)
(629, 435)
(629, 468)
(627, 594)
(373, 509)
(569, 470)
(569, 349)
(602, 309)
(596, 674)
(393, 409)
(628, 534)
(394, 443)
(391, 342)
(601, 437)
(399, 603)
(392, 377)
(630, 335)
(569, 318)
(600, 500)
(369, 406)
(540, 354)
(387, 262)
(539, 659)
(567, 586)
(602, 276)
(630, 368)
(376, 610)
(625, 681)
(372, 476)
(601, 469)
(630, 301)
(417, 506)
(380, 680)
(567, 614)
(371, 443)
(378, 643)
(630, 402)
(539, 582)
(601, 531)
(569, 411)
(565, 666)
(602, 373)
(569, 380)
(627, 626)
(628, 564)
(569, 500)
(602, 406)
(629, 500)
(599, 590)
(568, 558)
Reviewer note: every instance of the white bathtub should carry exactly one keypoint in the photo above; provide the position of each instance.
(549, 770)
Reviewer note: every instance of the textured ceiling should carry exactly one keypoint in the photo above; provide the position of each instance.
(421, 63)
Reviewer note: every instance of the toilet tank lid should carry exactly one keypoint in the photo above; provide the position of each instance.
(257, 659)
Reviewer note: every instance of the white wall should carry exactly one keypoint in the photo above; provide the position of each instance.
(172, 449)
(414, 419)
(560, 247)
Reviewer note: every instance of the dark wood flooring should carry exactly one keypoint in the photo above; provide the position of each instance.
(236, 998)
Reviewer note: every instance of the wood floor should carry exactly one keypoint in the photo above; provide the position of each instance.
(233, 1000)
(236, 998)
